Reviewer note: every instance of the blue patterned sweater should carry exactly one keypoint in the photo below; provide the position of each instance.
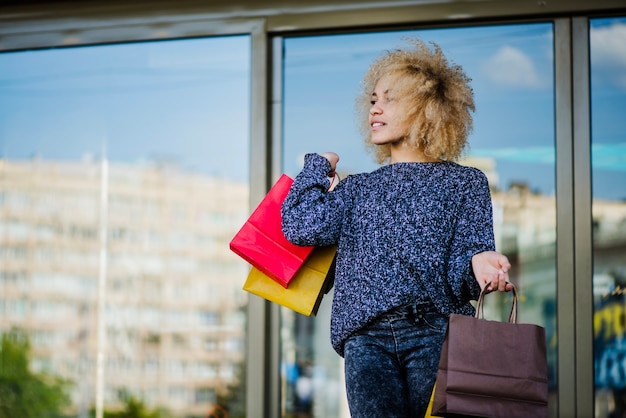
(404, 231)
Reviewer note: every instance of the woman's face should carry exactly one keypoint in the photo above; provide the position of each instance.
(386, 115)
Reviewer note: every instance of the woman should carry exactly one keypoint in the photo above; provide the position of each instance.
(415, 237)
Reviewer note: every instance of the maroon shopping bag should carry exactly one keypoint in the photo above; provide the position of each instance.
(261, 241)
(491, 368)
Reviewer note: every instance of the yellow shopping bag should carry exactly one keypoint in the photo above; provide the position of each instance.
(306, 290)
(429, 411)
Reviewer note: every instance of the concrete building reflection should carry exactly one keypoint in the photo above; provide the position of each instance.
(174, 319)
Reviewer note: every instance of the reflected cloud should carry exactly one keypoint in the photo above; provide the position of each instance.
(608, 51)
(512, 67)
(609, 156)
(544, 155)
(604, 156)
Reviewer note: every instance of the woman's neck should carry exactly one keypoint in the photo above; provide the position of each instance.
(400, 153)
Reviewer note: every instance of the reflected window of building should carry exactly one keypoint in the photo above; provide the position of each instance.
(608, 159)
(123, 176)
(513, 142)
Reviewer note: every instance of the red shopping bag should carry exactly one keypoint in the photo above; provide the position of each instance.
(261, 241)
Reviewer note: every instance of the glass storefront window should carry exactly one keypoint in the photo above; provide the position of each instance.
(512, 68)
(123, 176)
(608, 151)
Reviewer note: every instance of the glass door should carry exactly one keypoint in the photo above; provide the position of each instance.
(512, 68)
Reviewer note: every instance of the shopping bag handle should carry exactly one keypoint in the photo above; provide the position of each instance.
(480, 311)
(332, 181)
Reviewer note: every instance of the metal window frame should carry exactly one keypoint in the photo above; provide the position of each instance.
(572, 122)
(582, 216)
(574, 237)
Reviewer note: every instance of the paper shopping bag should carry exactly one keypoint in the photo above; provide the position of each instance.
(306, 290)
(261, 241)
(429, 410)
(492, 369)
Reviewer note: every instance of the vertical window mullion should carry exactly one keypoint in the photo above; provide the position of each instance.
(583, 279)
(565, 220)
(263, 367)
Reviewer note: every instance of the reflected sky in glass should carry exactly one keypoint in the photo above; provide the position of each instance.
(182, 102)
(186, 102)
(608, 107)
(512, 71)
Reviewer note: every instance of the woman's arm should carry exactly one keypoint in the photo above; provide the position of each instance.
(473, 235)
(312, 215)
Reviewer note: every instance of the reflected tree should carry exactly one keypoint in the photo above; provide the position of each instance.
(23, 393)
(135, 408)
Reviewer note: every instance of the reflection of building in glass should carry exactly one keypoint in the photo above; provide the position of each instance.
(174, 319)
(609, 290)
(609, 245)
(525, 230)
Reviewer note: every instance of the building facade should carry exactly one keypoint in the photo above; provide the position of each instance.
(127, 262)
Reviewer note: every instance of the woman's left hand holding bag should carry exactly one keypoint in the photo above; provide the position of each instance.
(491, 270)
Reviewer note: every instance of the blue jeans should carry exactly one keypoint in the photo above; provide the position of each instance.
(391, 364)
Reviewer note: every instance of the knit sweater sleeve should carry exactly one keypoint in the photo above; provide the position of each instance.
(311, 215)
(474, 234)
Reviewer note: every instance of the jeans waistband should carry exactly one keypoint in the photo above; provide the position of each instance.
(411, 310)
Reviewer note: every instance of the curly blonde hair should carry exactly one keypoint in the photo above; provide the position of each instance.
(435, 93)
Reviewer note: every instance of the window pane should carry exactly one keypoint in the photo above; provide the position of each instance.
(513, 141)
(123, 176)
(608, 150)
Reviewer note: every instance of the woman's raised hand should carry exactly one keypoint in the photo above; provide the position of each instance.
(333, 159)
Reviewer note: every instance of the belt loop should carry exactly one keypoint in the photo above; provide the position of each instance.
(414, 309)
